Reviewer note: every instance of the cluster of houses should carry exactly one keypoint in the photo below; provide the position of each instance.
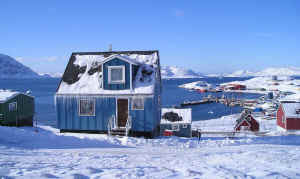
(119, 92)
(232, 87)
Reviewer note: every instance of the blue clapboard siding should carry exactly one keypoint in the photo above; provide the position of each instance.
(68, 114)
(68, 117)
(145, 120)
(116, 62)
(135, 69)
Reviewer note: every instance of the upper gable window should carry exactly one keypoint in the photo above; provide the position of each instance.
(116, 74)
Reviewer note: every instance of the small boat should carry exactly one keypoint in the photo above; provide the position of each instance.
(202, 90)
(188, 103)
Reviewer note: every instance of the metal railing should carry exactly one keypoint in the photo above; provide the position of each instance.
(1, 118)
(112, 124)
(128, 125)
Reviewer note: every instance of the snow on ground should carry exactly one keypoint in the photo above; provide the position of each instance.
(227, 123)
(47, 153)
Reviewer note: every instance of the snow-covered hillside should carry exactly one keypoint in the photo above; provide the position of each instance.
(178, 72)
(241, 73)
(288, 71)
(10, 68)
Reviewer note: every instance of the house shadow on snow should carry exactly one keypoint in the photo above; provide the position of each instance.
(291, 140)
(27, 137)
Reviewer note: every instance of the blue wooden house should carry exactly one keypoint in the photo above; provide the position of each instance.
(115, 92)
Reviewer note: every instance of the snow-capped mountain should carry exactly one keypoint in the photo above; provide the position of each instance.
(287, 71)
(178, 72)
(11, 68)
(241, 73)
(51, 75)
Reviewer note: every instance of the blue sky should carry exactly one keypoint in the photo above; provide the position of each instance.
(207, 36)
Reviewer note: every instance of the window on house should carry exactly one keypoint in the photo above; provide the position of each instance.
(12, 106)
(245, 128)
(116, 74)
(175, 127)
(86, 107)
(137, 104)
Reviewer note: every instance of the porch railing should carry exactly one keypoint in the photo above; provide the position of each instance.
(128, 125)
(112, 124)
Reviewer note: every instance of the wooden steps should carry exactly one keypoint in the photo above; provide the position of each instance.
(121, 131)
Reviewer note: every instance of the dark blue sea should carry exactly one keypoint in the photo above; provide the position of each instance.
(44, 90)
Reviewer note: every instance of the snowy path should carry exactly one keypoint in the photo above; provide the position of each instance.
(49, 154)
(207, 161)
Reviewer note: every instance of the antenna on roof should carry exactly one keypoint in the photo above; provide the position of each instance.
(110, 47)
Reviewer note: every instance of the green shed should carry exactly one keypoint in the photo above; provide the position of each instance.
(16, 108)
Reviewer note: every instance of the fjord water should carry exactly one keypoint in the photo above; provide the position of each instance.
(44, 89)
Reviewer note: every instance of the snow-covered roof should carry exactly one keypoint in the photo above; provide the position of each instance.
(5, 95)
(290, 110)
(83, 74)
(123, 57)
(186, 115)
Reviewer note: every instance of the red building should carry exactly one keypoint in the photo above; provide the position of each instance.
(239, 87)
(288, 116)
(246, 123)
(235, 87)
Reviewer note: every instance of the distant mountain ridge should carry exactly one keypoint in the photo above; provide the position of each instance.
(284, 71)
(11, 68)
(178, 72)
(51, 75)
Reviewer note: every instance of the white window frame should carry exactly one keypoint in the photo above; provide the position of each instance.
(139, 98)
(283, 119)
(94, 110)
(245, 128)
(12, 103)
(109, 68)
(175, 127)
